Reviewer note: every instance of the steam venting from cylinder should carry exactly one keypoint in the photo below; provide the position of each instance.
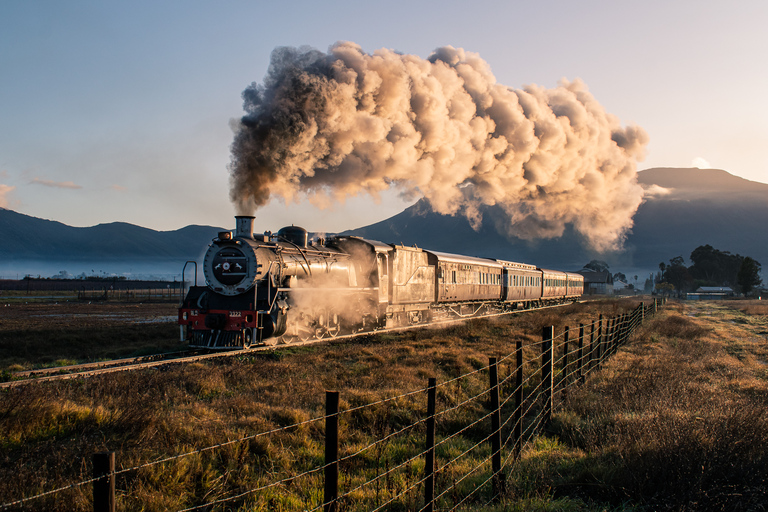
(327, 126)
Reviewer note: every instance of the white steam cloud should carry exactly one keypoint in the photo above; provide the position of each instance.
(328, 126)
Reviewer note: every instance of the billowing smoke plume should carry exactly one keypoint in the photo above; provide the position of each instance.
(330, 126)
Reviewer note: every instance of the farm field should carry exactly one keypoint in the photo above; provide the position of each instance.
(43, 334)
(675, 420)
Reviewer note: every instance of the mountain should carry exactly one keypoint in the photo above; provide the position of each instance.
(30, 238)
(682, 209)
(694, 207)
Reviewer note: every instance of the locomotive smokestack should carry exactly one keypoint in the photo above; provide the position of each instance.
(244, 226)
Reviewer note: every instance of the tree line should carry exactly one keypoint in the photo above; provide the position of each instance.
(710, 267)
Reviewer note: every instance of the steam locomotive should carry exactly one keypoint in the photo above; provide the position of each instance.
(274, 288)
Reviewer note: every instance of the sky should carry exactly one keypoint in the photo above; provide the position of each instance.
(117, 111)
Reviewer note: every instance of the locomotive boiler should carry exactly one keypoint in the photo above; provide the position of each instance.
(279, 287)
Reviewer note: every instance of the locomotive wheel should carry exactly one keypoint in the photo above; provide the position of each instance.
(299, 328)
(334, 326)
(304, 334)
(320, 328)
(302, 331)
(247, 338)
(294, 335)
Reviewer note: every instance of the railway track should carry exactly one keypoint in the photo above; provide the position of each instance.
(152, 361)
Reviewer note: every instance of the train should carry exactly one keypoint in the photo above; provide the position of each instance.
(279, 288)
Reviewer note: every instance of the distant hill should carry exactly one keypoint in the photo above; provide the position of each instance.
(683, 209)
(697, 207)
(30, 238)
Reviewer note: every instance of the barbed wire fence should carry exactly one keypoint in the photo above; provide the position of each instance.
(415, 464)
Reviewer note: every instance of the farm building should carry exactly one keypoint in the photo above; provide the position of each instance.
(597, 283)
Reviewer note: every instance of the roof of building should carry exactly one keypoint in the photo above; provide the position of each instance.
(714, 289)
(590, 276)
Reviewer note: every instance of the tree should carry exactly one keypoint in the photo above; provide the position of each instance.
(619, 276)
(714, 267)
(749, 275)
(664, 288)
(677, 274)
(677, 261)
(648, 287)
(597, 266)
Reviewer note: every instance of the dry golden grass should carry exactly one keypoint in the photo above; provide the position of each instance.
(49, 431)
(39, 335)
(679, 408)
(677, 420)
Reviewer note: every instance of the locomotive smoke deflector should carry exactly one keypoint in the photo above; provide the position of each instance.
(244, 226)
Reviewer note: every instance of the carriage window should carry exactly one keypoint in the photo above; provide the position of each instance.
(382, 259)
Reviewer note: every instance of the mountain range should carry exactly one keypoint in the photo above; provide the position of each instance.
(682, 209)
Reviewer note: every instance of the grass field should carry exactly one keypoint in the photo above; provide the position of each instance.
(676, 420)
(42, 334)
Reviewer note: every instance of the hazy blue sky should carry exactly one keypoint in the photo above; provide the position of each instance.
(120, 111)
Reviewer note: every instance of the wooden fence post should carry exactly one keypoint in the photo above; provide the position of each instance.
(600, 340)
(429, 455)
(546, 371)
(610, 336)
(581, 353)
(625, 328)
(564, 371)
(104, 487)
(498, 477)
(518, 419)
(331, 451)
(591, 358)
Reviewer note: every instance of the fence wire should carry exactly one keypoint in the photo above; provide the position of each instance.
(605, 339)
